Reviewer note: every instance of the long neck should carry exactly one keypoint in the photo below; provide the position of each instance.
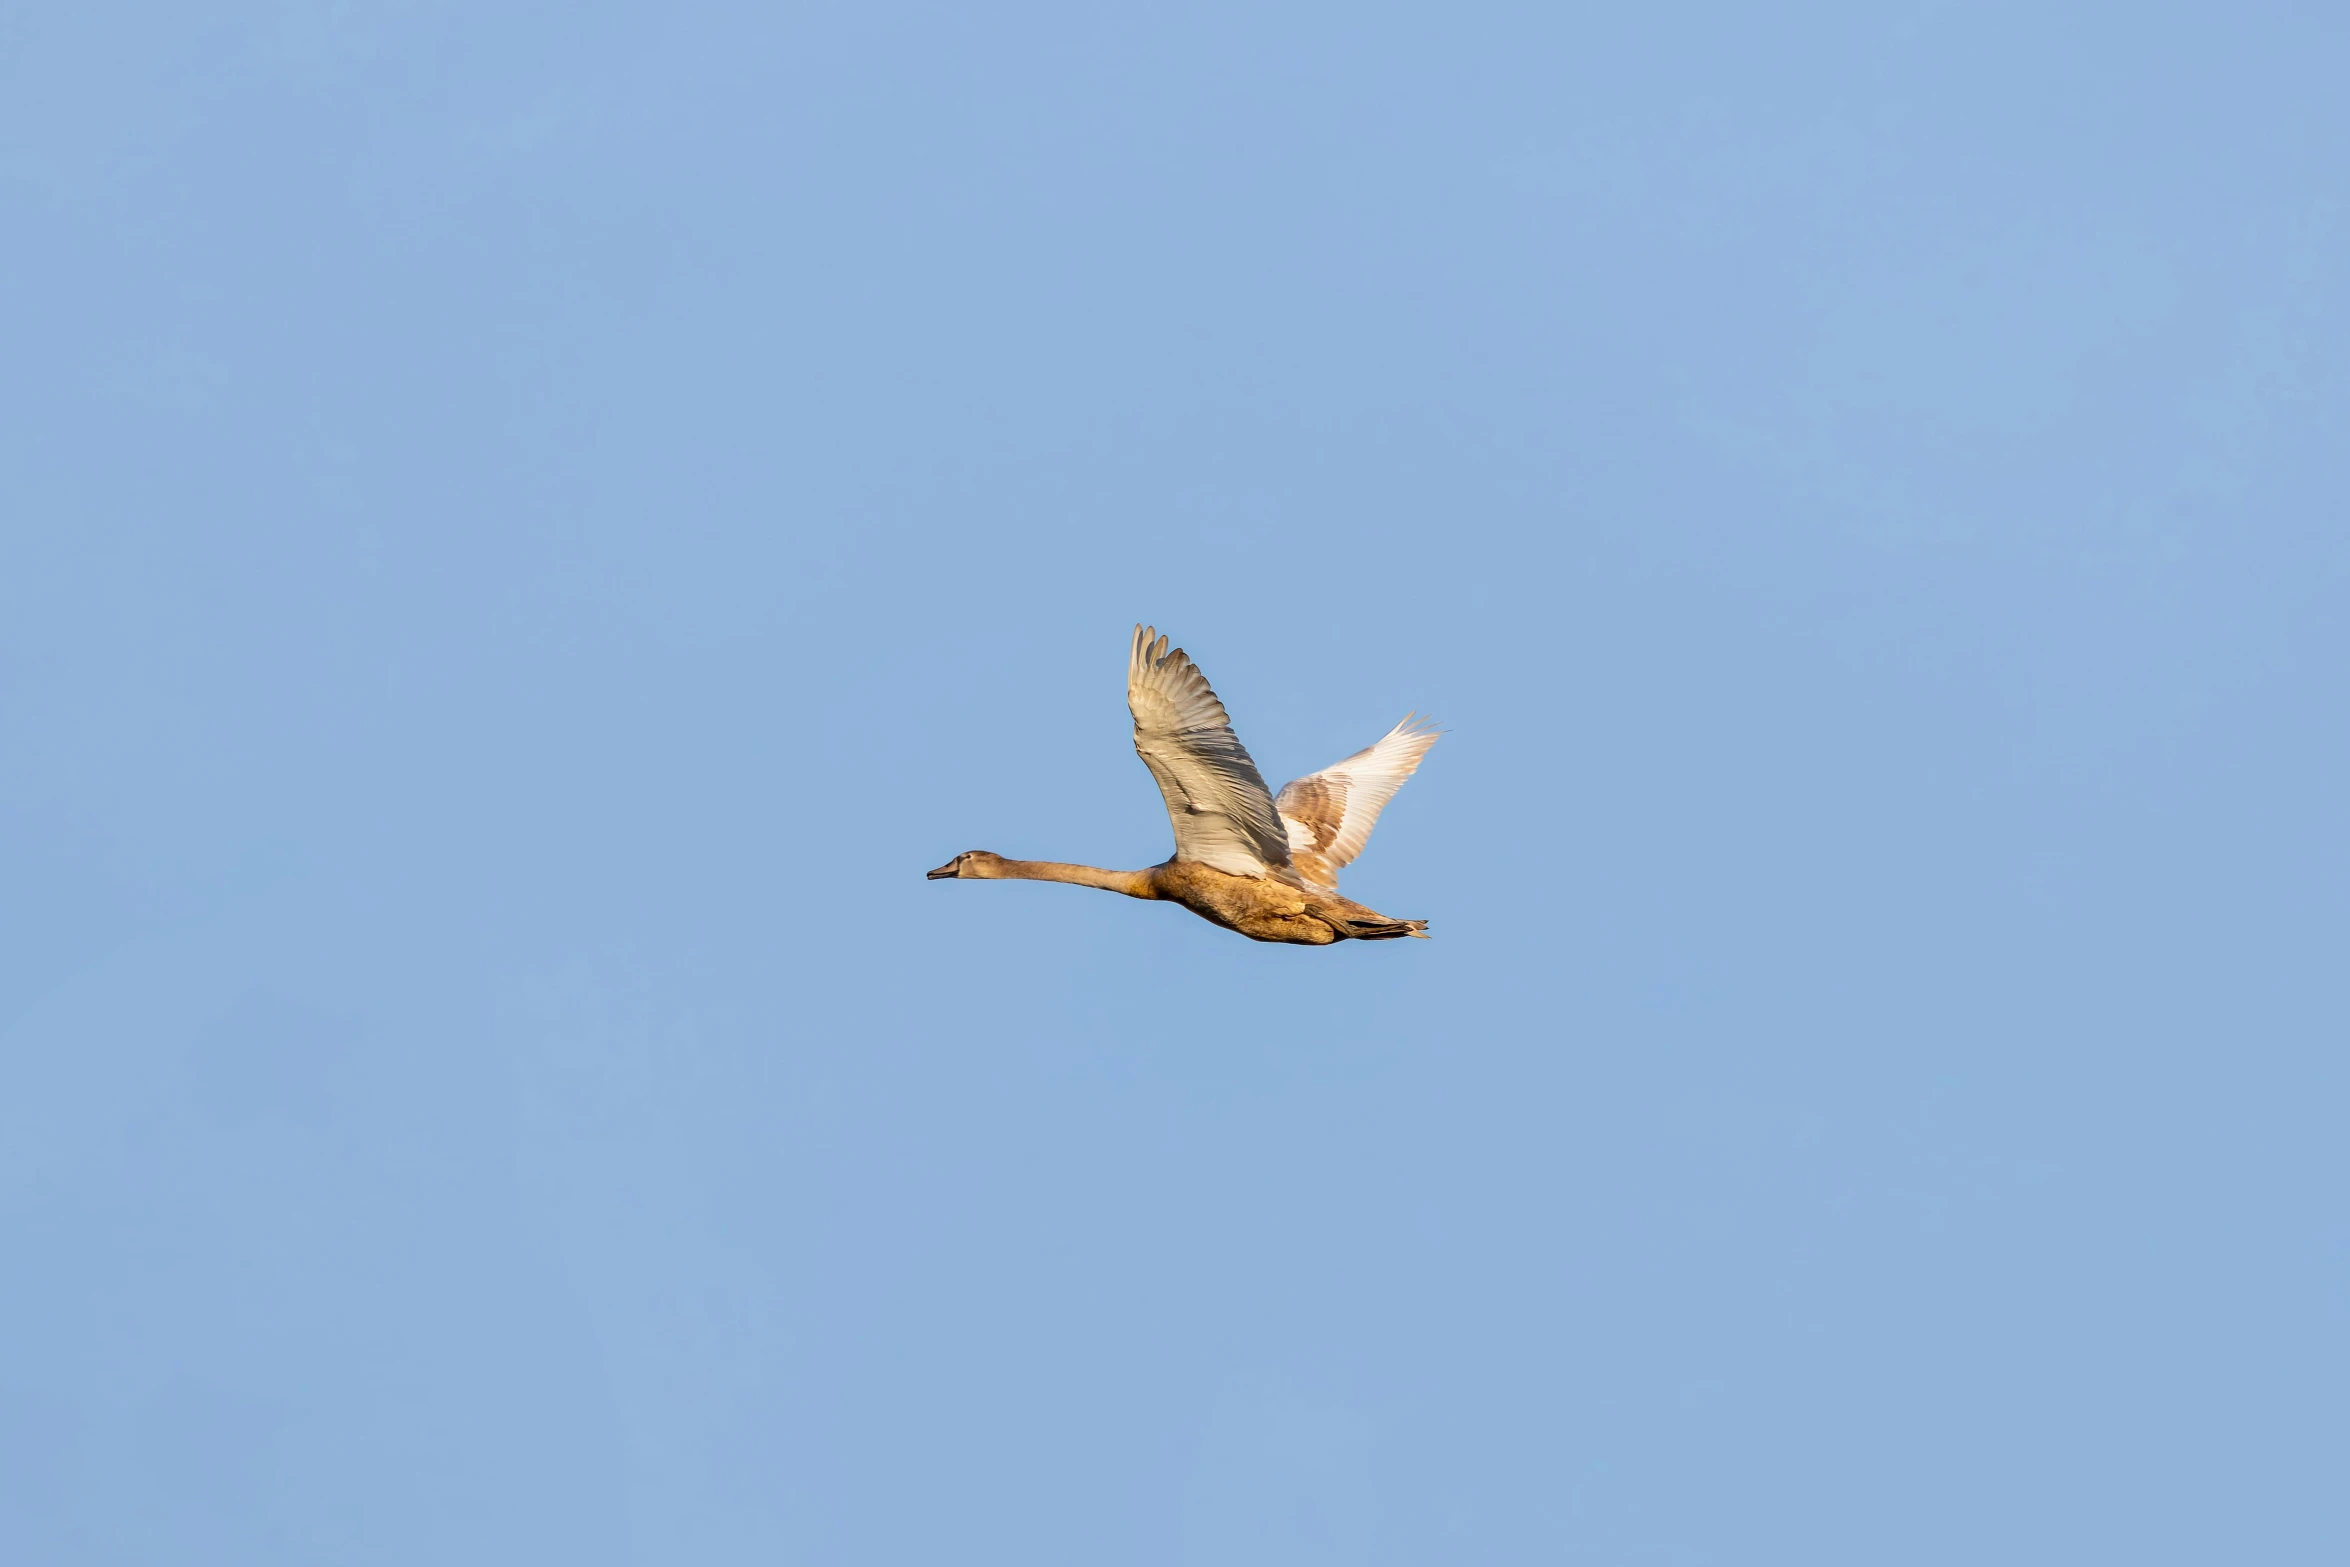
(1135, 884)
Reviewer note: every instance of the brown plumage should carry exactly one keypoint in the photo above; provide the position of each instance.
(1265, 868)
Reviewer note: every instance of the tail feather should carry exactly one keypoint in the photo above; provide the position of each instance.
(1386, 930)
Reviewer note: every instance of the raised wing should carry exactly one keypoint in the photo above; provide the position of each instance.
(1329, 815)
(1222, 811)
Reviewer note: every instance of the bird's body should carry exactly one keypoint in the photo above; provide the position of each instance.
(1265, 867)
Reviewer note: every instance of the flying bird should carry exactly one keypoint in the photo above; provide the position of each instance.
(1262, 864)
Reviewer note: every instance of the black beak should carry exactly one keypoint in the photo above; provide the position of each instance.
(944, 872)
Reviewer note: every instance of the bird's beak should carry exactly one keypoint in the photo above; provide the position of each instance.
(944, 872)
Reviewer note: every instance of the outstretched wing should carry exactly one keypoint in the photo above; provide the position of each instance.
(1222, 811)
(1329, 815)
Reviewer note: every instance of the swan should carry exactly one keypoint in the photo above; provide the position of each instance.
(1248, 860)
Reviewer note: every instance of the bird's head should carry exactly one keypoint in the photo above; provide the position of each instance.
(975, 865)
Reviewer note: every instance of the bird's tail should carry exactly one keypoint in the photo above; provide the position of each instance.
(1386, 930)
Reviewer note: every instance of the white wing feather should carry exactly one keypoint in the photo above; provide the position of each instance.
(1329, 815)
(1222, 812)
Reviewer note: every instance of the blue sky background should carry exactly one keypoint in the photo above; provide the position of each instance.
(524, 530)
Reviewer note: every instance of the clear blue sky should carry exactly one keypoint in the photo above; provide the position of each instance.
(525, 530)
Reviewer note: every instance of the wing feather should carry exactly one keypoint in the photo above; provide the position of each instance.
(1329, 815)
(1217, 800)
